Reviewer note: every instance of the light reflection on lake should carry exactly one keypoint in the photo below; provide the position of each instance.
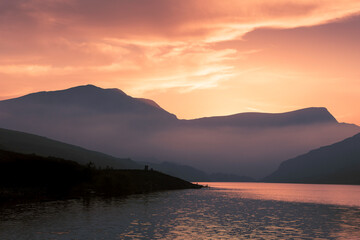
(231, 211)
(347, 195)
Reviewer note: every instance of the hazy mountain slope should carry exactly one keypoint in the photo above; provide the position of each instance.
(109, 121)
(254, 152)
(195, 175)
(29, 144)
(337, 163)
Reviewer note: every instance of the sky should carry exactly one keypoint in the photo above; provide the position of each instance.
(195, 58)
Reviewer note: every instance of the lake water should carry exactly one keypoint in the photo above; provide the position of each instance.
(226, 211)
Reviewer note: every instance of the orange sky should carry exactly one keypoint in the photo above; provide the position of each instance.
(194, 57)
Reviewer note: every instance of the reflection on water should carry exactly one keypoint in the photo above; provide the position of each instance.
(229, 212)
(347, 195)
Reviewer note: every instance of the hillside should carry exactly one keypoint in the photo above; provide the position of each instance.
(29, 143)
(338, 163)
(26, 177)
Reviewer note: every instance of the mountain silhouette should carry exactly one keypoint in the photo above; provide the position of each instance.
(110, 121)
(88, 99)
(338, 163)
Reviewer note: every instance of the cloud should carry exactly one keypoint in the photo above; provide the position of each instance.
(83, 21)
(169, 19)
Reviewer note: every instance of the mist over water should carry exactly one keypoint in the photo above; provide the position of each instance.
(230, 211)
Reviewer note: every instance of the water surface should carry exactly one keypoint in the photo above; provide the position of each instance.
(227, 211)
(347, 195)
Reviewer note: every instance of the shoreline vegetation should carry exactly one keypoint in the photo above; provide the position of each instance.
(28, 177)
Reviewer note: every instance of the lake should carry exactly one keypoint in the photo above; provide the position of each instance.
(225, 211)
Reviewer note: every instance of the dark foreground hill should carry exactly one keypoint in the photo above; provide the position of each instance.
(335, 164)
(31, 177)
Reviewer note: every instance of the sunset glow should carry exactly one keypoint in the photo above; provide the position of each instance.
(194, 57)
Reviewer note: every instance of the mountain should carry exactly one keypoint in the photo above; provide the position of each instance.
(32, 144)
(110, 121)
(338, 163)
(48, 113)
(88, 99)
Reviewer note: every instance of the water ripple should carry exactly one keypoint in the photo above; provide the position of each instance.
(187, 214)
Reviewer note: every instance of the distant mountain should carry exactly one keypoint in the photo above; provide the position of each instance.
(263, 120)
(338, 163)
(195, 175)
(31, 144)
(109, 121)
